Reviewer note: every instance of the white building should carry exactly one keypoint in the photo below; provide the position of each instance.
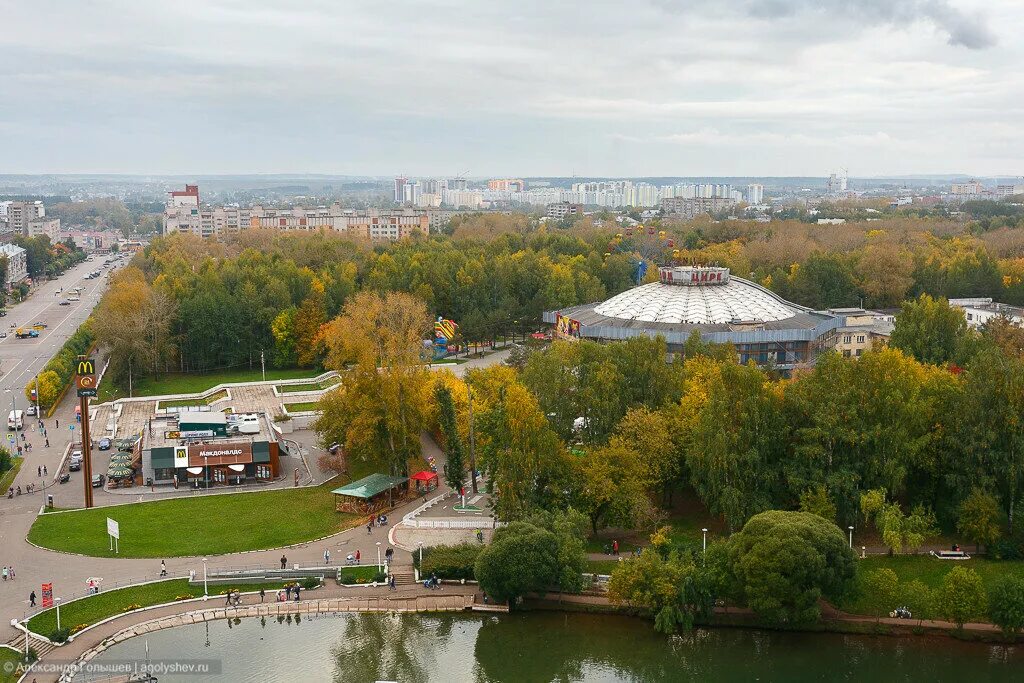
(17, 264)
(1009, 190)
(980, 310)
(755, 193)
(49, 227)
(972, 187)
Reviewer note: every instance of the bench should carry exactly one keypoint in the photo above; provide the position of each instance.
(950, 555)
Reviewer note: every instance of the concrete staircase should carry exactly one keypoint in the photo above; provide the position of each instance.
(404, 575)
(41, 647)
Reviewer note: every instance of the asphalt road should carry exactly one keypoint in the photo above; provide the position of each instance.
(21, 359)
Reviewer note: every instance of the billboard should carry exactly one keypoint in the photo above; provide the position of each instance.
(181, 456)
(202, 455)
(566, 327)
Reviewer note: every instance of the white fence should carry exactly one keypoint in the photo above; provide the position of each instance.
(470, 523)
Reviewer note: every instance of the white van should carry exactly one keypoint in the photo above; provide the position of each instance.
(247, 423)
(16, 420)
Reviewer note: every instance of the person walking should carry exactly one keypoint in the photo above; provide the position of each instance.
(391, 582)
(327, 557)
(39, 470)
(44, 466)
(5, 572)
(163, 568)
(357, 556)
(369, 525)
(47, 442)
(284, 562)
(262, 594)
(32, 599)
(56, 423)
(615, 547)
(388, 554)
(297, 589)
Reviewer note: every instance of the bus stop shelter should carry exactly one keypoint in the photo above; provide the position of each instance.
(370, 494)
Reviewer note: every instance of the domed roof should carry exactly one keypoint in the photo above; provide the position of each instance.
(737, 300)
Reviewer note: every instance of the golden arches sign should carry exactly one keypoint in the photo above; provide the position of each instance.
(86, 367)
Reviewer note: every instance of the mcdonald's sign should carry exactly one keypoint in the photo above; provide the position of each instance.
(85, 377)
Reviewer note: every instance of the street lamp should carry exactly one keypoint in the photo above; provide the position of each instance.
(851, 536)
(420, 544)
(57, 601)
(705, 532)
(378, 556)
(206, 593)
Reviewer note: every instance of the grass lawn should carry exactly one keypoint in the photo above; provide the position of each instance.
(603, 566)
(301, 407)
(926, 569)
(362, 573)
(309, 386)
(9, 475)
(9, 659)
(198, 525)
(597, 544)
(102, 605)
(192, 383)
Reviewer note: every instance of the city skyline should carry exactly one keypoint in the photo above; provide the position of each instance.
(597, 90)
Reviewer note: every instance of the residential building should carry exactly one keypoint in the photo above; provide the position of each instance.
(400, 182)
(457, 184)
(506, 185)
(17, 264)
(560, 210)
(680, 207)
(860, 331)
(1009, 190)
(49, 227)
(91, 240)
(755, 193)
(836, 183)
(20, 214)
(182, 215)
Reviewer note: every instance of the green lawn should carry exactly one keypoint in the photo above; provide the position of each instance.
(309, 386)
(11, 474)
(198, 525)
(928, 570)
(302, 406)
(603, 566)
(192, 383)
(102, 605)
(9, 659)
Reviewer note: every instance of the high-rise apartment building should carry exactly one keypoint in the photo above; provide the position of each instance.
(681, 207)
(755, 193)
(400, 183)
(20, 214)
(506, 185)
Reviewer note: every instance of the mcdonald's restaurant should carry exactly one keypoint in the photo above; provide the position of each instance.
(207, 450)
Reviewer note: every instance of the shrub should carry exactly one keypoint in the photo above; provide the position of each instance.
(79, 627)
(450, 561)
(380, 577)
(132, 607)
(184, 596)
(347, 579)
(310, 582)
(60, 635)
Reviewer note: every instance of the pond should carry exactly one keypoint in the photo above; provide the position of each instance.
(545, 646)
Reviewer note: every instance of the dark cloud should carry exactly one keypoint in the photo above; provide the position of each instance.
(961, 28)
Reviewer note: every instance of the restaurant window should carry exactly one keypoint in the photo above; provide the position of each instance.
(263, 472)
(220, 476)
(163, 473)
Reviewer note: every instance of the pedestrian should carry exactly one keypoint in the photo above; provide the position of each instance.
(369, 525)
(47, 442)
(56, 423)
(284, 562)
(327, 556)
(44, 466)
(297, 588)
(391, 582)
(5, 573)
(163, 568)
(357, 557)
(615, 547)
(12, 572)
(262, 593)
(191, 575)
(19, 451)
(227, 602)
(32, 599)
(39, 470)
(388, 554)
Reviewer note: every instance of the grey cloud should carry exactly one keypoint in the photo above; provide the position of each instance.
(961, 28)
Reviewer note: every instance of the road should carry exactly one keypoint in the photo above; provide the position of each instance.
(21, 359)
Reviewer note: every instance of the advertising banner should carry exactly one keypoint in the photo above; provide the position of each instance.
(566, 327)
(202, 455)
(180, 456)
(47, 595)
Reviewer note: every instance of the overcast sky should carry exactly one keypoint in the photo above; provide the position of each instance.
(525, 88)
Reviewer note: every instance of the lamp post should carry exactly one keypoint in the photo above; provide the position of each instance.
(851, 536)
(420, 544)
(206, 593)
(57, 601)
(378, 556)
(705, 532)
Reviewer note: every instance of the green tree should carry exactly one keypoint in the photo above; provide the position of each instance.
(884, 587)
(522, 558)
(1006, 604)
(930, 330)
(979, 518)
(570, 528)
(612, 487)
(817, 502)
(962, 596)
(918, 598)
(783, 562)
(454, 466)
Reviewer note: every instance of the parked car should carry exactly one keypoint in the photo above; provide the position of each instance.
(75, 462)
(97, 481)
(30, 411)
(104, 444)
(63, 302)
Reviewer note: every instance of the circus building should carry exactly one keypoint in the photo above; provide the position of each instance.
(723, 308)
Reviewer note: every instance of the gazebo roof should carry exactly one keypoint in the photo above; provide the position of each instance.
(370, 486)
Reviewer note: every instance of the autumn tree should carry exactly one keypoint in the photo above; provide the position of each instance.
(49, 385)
(930, 330)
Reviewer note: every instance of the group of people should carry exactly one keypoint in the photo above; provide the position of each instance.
(8, 572)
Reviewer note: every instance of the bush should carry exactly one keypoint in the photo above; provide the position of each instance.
(380, 577)
(132, 607)
(1007, 548)
(450, 561)
(60, 635)
(310, 582)
(79, 627)
(348, 580)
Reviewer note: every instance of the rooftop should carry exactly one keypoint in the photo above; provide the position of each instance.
(370, 486)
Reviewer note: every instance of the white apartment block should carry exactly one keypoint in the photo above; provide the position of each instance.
(972, 187)
(980, 310)
(20, 214)
(682, 207)
(1009, 190)
(755, 193)
(17, 264)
